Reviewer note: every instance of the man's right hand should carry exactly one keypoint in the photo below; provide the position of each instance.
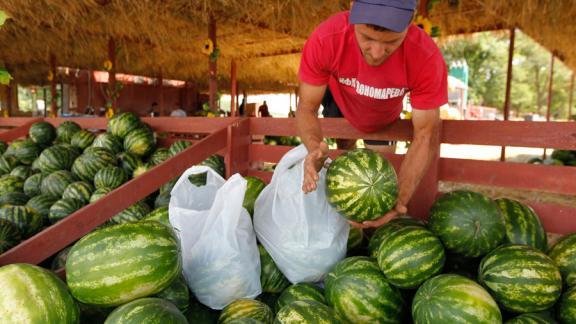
(313, 163)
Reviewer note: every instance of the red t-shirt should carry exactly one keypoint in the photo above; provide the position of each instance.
(370, 97)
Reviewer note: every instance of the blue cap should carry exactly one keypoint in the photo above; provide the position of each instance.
(394, 15)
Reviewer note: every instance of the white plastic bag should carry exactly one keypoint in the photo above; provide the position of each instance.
(304, 235)
(220, 257)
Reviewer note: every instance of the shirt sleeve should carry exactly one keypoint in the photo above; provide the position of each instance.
(430, 89)
(314, 67)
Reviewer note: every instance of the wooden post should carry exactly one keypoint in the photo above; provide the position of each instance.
(53, 101)
(161, 91)
(508, 85)
(571, 97)
(233, 89)
(45, 101)
(212, 65)
(549, 103)
(112, 72)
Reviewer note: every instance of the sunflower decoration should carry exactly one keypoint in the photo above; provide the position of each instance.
(5, 76)
(50, 76)
(210, 50)
(109, 110)
(3, 17)
(426, 25)
(107, 65)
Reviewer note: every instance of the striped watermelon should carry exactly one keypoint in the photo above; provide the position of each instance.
(146, 310)
(246, 308)
(451, 298)
(411, 255)
(129, 162)
(21, 171)
(301, 291)
(99, 193)
(523, 225)
(388, 228)
(64, 208)
(167, 187)
(89, 163)
(3, 147)
(360, 293)
(59, 260)
(563, 253)
(10, 183)
(567, 306)
(245, 321)
(56, 182)
(254, 187)
(177, 293)
(54, 158)
(162, 200)
(355, 238)
(140, 141)
(306, 312)
(521, 278)
(9, 236)
(271, 279)
(42, 204)
(159, 156)
(42, 133)
(468, 223)
(109, 142)
(361, 185)
(7, 163)
(66, 130)
(32, 184)
(132, 214)
(140, 170)
(25, 218)
(216, 162)
(13, 198)
(198, 179)
(79, 190)
(178, 147)
(159, 215)
(536, 318)
(82, 139)
(150, 262)
(73, 151)
(31, 294)
(25, 151)
(122, 124)
(269, 299)
(110, 177)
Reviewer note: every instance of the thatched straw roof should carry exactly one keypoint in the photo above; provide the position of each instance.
(264, 36)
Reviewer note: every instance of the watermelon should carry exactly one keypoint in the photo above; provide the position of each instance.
(146, 310)
(200, 314)
(178, 147)
(359, 292)
(198, 179)
(521, 278)
(56, 182)
(66, 130)
(59, 260)
(306, 312)
(31, 294)
(388, 228)
(64, 208)
(21, 171)
(216, 163)
(269, 299)
(9, 235)
(42, 133)
(25, 151)
(99, 193)
(25, 218)
(79, 190)
(7, 163)
(110, 177)
(159, 215)
(82, 139)
(535, 318)
(10, 183)
(451, 298)
(567, 307)
(271, 279)
(162, 200)
(13, 198)
(411, 255)
(167, 187)
(109, 142)
(122, 124)
(468, 223)
(563, 253)
(32, 184)
(355, 238)
(140, 170)
(89, 163)
(361, 185)
(254, 187)
(54, 158)
(140, 141)
(300, 291)
(177, 293)
(42, 204)
(129, 162)
(245, 321)
(523, 225)
(246, 308)
(132, 214)
(150, 262)
(3, 147)
(73, 151)
(159, 156)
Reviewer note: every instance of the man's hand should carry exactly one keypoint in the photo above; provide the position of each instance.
(399, 209)
(313, 163)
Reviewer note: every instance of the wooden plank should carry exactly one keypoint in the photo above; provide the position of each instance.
(56, 237)
(17, 132)
(545, 178)
(237, 154)
(188, 125)
(555, 218)
(16, 121)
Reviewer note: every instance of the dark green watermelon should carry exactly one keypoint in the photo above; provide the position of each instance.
(79, 190)
(129, 162)
(177, 293)
(301, 291)
(59, 260)
(140, 141)
(167, 187)
(132, 214)
(55, 158)
(7, 163)
(42, 204)
(66, 130)
(147, 310)
(388, 228)
(159, 215)
(563, 253)
(42, 133)
(271, 278)
(253, 189)
(3, 147)
(109, 142)
(25, 151)
(10, 183)
(21, 171)
(122, 124)
(99, 193)
(159, 156)
(25, 218)
(9, 235)
(216, 162)
(88, 164)
(178, 147)
(110, 177)
(567, 306)
(162, 200)
(64, 208)
(199, 314)
(82, 139)
(523, 225)
(56, 182)
(32, 184)
(14, 198)
(536, 318)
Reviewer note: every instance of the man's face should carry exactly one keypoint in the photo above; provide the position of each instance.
(377, 46)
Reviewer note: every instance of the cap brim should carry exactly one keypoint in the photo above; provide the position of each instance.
(394, 19)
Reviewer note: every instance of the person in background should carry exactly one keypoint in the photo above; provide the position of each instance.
(178, 112)
(153, 111)
(263, 110)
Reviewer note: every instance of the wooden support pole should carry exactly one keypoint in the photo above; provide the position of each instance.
(233, 89)
(571, 97)
(112, 73)
(508, 85)
(549, 101)
(53, 94)
(161, 94)
(212, 65)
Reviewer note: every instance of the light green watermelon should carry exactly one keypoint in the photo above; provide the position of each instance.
(563, 253)
(24, 150)
(99, 193)
(82, 139)
(254, 187)
(79, 190)
(10, 183)
(246, 308)
(147, 310)
(388, 228)
(122, 124)
(300, 291)
(523, 225)
(109, 142)
(567, 307)
(140, 141)
(159, 215)
(271, 279)
(159, 156)
(132, 214)
(306, 312)
(178, 147)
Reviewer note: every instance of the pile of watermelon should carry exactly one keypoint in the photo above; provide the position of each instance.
(558, 157)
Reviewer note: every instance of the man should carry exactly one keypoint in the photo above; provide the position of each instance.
(367, 60)
(263, 110)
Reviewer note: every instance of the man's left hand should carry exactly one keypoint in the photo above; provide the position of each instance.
(399, 209)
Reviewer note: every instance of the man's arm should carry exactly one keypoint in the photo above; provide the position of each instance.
(308, 127)
(418, 158)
